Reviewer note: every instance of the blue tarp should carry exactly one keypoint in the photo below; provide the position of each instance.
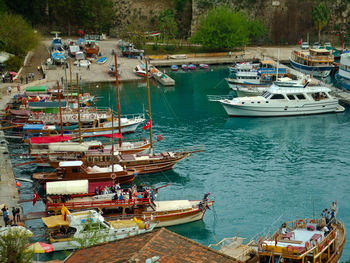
(32, 127)
(48, 104)
(57, 56)
(81, 41)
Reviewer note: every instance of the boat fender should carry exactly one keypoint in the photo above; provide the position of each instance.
(320, 247)
(113, 176)
(307, 245)
(328, 241)
(147, 226)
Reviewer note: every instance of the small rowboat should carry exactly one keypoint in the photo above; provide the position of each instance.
(101, 60)
(184, 67)
(192, 67)
(174, 67)
(203, 66)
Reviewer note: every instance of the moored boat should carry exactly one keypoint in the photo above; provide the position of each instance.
(203, 66)
(343, 75)
(101, 60)
(87, 228)
(304, 240)
(174, 67)
(184, 67)
(317, 62)
(192, 67)
(74, 170)
(283, 101)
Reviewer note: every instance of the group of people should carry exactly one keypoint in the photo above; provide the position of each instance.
(126, 194)
(328, 215)
(16, 216)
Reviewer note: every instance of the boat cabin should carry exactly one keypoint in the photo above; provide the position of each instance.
(313, 57)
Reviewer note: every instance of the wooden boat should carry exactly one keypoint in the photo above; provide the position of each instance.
(91, 48)
(134, 204)
(317, 62)
(66, 230)
(101, 60)
(304, 240)
(74, 170)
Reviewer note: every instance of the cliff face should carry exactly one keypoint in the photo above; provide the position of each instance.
(287, 21)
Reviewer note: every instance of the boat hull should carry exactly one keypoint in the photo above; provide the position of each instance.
(234, 110)
(321, 71)
(343, 79)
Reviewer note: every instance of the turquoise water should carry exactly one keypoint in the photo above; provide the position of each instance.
(260, 172)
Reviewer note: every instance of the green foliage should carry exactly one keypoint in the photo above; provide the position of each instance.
(14, 63)
(167, 25)
(180, 4)
(256, 30)
(3, 6)
(94, 234)
(13, 245)
(18, 36)
(224, 28)
(155, 47)
(320, 16)
(170, 48)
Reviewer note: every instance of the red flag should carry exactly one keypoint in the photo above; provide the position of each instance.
(148, 125)
(300, 41)
(35, 197)
(7, 107)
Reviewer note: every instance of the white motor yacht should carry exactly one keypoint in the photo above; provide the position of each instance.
(284, 101)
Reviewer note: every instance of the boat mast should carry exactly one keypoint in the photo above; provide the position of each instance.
(59, 107)
(118, 99)
(278, 61)
(149, 108)
(78, 109)
(342, 35)
(71, 79)
(333, 33)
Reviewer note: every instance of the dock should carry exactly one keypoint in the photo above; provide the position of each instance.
(163, 78)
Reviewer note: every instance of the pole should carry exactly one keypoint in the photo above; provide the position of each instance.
(78, 109)
(118, 99)
(342, 35)
(149, 108)
(59, 107)
(333, 33)
(65, 75)
(71, 79)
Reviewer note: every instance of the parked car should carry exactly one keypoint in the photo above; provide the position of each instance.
(316, 45)
(305, 45)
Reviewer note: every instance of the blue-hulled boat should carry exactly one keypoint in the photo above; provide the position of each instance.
(174, 67)
(316, 62)
(101, 60)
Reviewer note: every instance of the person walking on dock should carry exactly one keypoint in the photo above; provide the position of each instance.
(18, 215)
(14, 214)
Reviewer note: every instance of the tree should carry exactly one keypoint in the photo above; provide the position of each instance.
(320, 16)
(13, 244)
(167, 25)
(224, 28)
(18, 36)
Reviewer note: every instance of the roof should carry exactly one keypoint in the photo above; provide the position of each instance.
(70, 163)
(67, 187)
(55, 221)
(50, 139)
(36, 89)
(169, 246)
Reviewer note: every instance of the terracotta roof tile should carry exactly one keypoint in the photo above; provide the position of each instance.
(169, 246)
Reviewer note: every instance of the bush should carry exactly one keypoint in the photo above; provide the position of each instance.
(155, 47)
(14, 63)
(170, 48)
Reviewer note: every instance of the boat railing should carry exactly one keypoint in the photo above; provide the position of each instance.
(314, 247)
(128, 116)
(219, 97)
(97, 204)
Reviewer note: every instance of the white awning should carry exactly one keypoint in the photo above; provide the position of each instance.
(67, 187)
(70, 163)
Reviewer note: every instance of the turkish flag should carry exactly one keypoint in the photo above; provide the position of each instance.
(35, 197)
(148, 125)
(300, 41)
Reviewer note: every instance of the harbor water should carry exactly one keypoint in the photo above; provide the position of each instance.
(260, 171)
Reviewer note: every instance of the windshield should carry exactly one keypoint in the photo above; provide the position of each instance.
(266, 94)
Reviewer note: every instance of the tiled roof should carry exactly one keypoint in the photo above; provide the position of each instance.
(169, 246)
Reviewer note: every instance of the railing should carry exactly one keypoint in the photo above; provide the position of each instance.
(98, 204)
(219, 97)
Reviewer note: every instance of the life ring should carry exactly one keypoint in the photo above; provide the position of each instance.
(301, 222)
(147, 226)
(113, 176)
(307, 245)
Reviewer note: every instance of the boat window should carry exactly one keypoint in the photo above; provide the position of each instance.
(291, 97)
(277, 97)
(266, 94)
(300, 96)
